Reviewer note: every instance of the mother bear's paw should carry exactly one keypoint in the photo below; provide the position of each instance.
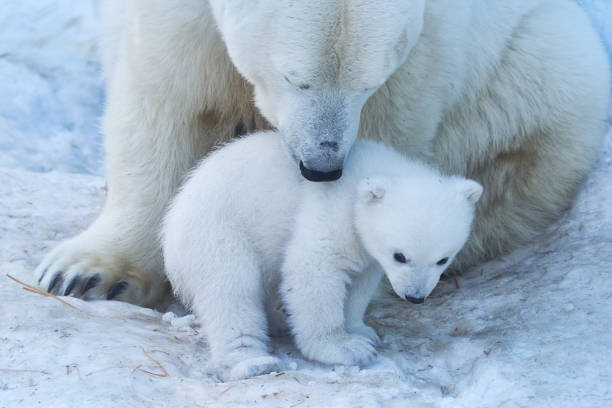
(82, 270)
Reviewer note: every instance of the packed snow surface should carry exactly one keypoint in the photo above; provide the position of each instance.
(533, 329)
(51, 90)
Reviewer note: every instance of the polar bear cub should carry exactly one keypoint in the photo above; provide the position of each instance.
(248, 239)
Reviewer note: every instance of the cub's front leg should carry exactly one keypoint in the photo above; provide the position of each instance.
(360, 293)
(315, 290)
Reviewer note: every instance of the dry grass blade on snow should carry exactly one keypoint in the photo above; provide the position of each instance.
(164, 373)
(34, 289)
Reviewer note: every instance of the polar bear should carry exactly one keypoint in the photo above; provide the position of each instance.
(512, 94)
(233, 245)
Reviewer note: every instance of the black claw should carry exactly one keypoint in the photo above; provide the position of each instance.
(72, 284)
(42, 275)
(54, 281)
(118, 288)
(90, 283)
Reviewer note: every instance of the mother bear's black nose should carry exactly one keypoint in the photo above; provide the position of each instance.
(314, 175)
(416, 301)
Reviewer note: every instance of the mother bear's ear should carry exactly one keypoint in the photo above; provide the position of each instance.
(372, 189)
(470, 189)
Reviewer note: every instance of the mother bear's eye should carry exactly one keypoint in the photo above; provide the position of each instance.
(442, 261)
(399, 257)
(302, 86)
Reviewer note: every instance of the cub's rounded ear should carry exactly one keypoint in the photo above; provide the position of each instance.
(470, 190)
(372, 189)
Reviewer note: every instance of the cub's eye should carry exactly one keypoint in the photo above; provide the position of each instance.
(442, 261)
(399, 257)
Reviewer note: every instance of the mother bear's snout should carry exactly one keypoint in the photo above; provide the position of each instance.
(416, 301)
(315, 175)
(333, 146)
(323, 162)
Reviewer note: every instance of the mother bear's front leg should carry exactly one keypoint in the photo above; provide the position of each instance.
(162, 115)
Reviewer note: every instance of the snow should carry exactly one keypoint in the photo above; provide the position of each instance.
(600, 12)
(533, 329)
(51, 104)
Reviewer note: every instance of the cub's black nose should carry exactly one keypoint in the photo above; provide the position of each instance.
(416, 301)
(314, 175)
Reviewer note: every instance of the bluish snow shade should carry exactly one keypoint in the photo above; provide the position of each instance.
(52, 101)
(600, 12)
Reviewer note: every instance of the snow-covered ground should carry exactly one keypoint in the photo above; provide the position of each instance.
(600, 12)
(51, 90)
(533, 329)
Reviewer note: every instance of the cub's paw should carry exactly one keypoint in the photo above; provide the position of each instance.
(252, 367)
(367, 332)
(71, 269)
(345, 348)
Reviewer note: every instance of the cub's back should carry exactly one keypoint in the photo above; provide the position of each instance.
(248, 188)
(247, 174)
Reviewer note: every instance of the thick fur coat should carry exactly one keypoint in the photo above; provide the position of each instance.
(261, 239)
(510, 93)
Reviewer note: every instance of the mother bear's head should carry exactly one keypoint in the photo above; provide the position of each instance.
(314, 64)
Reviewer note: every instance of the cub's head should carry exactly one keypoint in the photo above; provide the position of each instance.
(314, 64)
(414, 228)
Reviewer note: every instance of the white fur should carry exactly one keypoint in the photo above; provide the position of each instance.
(232, 244)
(510, 93)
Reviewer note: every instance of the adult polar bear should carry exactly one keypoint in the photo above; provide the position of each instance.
(510, 93)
